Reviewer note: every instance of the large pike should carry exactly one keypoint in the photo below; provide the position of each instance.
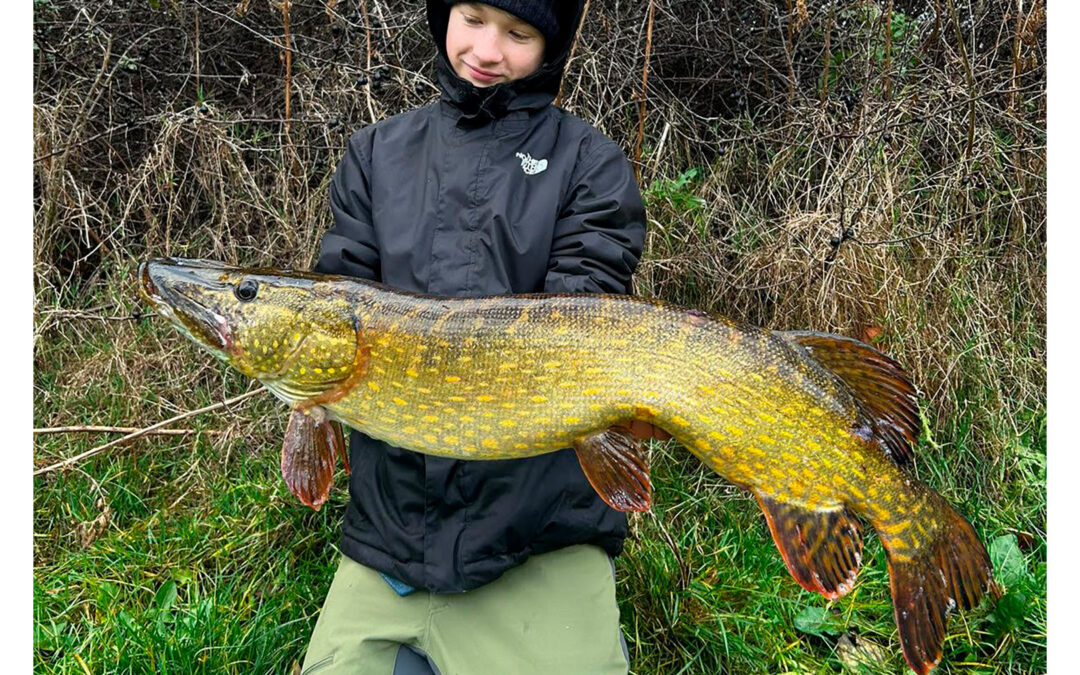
(816, 426)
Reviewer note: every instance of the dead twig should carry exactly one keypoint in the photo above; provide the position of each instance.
(968, 76)
(830, 22)
(885, 74)
(77, 314)
(147, 430)
(573, 48)
(644, 90)
(124, 430)
(284, 6)
(367, 59)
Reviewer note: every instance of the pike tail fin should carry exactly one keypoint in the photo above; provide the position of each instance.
(929, 576)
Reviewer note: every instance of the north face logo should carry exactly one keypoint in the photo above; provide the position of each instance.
(529, 165)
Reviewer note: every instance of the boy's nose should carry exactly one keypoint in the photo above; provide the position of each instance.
(486, 48)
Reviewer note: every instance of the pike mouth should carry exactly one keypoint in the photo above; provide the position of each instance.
(162, 284)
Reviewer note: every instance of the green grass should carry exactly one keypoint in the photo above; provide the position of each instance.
(205, 564)
(201, 561)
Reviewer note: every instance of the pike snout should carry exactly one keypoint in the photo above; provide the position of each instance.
(184, 291)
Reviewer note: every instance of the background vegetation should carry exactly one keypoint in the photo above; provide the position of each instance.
(875, 169)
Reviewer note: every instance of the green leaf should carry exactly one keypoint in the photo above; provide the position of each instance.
(677, 192)
(816, 621)
(107, 594)
(48, 638)
(1010, 568)
(183, 575)
(165, 596)
(126, 621)
(1010, 612)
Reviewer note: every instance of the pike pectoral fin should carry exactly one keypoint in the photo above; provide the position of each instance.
(309, 454)
(822, 549)
(615, 463)
(338, 442)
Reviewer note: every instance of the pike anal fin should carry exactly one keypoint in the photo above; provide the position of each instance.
(615, 463)
(822, 549)
(309, 454)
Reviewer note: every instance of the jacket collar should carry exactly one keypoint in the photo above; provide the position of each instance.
(533, 92)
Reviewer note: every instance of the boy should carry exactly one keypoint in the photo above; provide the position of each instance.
(480, 567)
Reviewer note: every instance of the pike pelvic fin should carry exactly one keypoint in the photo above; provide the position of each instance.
(881, 389)
(615, 463)
(309, 454)
(950, 570)
(822, 549)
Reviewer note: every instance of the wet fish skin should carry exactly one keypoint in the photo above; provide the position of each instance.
(816, 426)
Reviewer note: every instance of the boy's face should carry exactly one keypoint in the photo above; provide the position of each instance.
(487, 46)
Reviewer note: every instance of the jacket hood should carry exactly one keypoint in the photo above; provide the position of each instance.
(531, 92)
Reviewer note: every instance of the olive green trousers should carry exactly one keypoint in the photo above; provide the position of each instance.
(555, 613)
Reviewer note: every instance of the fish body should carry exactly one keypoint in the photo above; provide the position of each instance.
(816, 426)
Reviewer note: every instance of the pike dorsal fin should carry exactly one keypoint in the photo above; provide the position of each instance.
(309, 454)
(822, 549)
(881, 389)
(614, 461)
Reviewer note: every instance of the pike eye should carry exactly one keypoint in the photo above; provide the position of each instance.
(247, 290)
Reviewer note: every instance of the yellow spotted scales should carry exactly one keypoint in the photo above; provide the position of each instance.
(816, 426)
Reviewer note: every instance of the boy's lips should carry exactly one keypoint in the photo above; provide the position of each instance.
(480, 73)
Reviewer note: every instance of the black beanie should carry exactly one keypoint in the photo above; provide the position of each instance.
(540, 14)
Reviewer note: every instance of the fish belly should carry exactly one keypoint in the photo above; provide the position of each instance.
(513, 412)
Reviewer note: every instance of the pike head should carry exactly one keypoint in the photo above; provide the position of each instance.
(295, 332)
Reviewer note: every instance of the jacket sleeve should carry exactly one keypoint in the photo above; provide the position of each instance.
(349, 246)
(601, 229)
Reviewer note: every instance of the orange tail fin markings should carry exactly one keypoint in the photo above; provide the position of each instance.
(927, 582)
(616, 465)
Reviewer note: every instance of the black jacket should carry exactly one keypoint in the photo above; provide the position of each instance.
(487, 191)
